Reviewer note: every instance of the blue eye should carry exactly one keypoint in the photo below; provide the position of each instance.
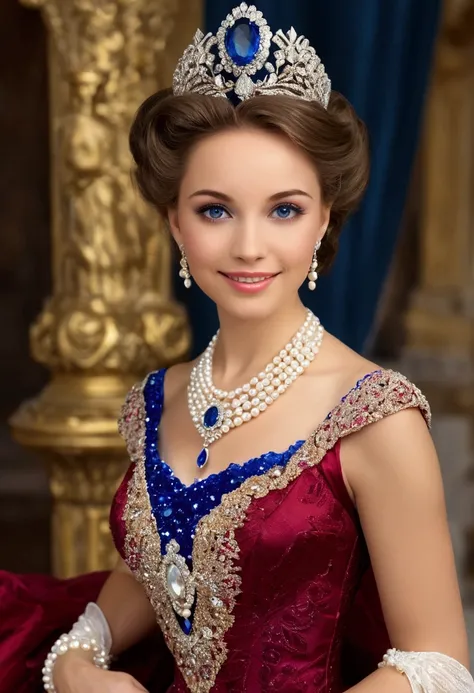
(213, 212)
(287, 211)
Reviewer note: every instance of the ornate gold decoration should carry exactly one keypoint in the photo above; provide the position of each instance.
(201, 654)
(111, 309)
(440, 321)
(111, 316)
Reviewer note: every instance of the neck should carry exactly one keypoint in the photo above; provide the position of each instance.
(244, 347)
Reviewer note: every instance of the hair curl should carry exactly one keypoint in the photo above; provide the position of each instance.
(167, 127)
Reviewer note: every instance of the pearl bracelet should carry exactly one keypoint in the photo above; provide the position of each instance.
(65, 643)
(90, 633)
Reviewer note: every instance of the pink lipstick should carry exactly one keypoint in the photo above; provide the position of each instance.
(249, 282)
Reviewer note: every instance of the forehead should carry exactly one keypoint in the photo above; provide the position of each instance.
(248, 161)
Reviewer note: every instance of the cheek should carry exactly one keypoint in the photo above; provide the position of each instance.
(204, 252)
(297, 259)
(201, 239)
(296, 246)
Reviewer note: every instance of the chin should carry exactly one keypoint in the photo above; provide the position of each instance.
(250, 308)
(253, 307)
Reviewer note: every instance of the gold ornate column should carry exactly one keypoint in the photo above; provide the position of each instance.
(441, 319)
(111, 317)
(440, 350)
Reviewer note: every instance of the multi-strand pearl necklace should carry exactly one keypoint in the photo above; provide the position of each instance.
(215, 412)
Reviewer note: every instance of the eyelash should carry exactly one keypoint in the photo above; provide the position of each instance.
(291, 205)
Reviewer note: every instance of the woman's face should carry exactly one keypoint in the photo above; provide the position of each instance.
(249, 214)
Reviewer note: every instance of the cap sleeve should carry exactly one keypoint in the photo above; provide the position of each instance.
(131, 421)
(375, 397)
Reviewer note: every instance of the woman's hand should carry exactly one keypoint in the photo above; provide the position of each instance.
(75, 673)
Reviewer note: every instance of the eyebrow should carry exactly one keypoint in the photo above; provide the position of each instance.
(227, 198)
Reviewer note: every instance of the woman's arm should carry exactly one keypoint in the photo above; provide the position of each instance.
(126, 608)
(129, 615)
(392, 469)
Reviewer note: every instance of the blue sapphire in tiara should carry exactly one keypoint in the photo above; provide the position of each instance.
(242, 41)
(211, 417)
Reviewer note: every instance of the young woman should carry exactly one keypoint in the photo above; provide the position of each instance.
(283, 518)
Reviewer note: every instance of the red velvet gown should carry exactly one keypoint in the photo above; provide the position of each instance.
(284, 598)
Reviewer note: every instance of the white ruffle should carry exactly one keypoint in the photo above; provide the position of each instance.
(430, 672)
(93, 624)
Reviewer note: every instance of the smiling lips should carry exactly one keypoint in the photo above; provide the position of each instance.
(249, 282)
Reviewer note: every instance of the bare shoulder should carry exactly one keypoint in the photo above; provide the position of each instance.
(393, 439)
(177, 379)
(396, 449)
(344, 365)
(396, 392)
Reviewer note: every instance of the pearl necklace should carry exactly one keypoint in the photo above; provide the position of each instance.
(215, 412)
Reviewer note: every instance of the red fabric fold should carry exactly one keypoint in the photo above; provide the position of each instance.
(34, 611)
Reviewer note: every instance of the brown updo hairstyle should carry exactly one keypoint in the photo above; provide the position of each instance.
(167, 127)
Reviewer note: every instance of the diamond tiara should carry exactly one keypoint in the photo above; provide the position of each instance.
(223, 65)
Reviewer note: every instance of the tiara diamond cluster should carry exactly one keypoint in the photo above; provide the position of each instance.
(225, 64)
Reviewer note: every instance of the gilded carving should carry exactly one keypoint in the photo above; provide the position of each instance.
(440, 335)
(82, 487)
(440, 327)
(112, 294)
(111, 316)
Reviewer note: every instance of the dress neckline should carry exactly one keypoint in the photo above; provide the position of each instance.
(233, 469)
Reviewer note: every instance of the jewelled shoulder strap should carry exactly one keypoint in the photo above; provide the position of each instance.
(376, 396)
(131, 421)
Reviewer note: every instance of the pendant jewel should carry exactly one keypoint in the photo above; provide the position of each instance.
(175, 581)
(212, 417)
(179, 582)
(202, 458)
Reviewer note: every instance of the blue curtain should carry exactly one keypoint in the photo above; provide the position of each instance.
(378, 54)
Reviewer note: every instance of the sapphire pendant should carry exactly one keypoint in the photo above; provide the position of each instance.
(211, 417)
(202, 458)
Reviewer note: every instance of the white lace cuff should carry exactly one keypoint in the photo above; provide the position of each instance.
(93, 624)
(430, 672)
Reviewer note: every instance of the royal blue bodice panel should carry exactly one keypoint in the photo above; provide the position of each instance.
(178, 508)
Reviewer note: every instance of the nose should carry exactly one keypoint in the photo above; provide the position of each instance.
(248, 242)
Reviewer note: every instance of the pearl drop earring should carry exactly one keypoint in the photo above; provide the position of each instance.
(312, 274)
(184, 271)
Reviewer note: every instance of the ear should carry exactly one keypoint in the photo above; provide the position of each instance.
(325, 219)
(173, 225)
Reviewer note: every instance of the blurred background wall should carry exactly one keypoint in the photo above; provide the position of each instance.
(25, 271)
(402, 288)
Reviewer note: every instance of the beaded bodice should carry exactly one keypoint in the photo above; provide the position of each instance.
(177, 508)
(279, 562)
